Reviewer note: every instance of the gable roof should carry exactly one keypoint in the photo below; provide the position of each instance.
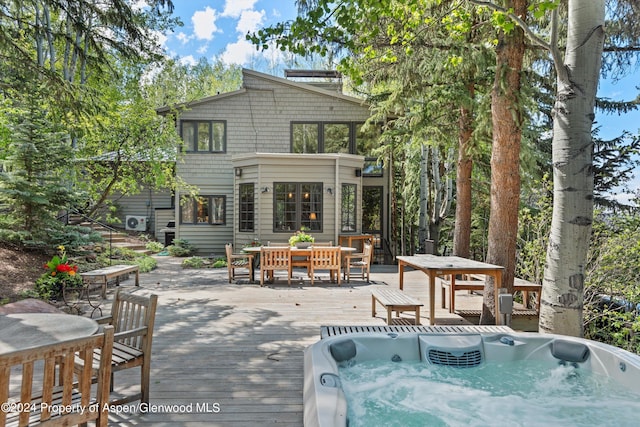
(263, 76)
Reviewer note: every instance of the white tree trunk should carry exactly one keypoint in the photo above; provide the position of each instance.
(563, 283)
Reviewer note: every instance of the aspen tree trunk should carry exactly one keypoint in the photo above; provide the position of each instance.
(505, 159)
(563, 283)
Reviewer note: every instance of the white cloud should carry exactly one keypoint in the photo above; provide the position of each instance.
(250, 21)
(204, 23)
(188, 60)
(239, 52)
(182, 37)
(203, 49)
(243, 53)
(234, 8)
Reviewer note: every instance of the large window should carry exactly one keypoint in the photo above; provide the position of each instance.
(247, 212)
(203, 210)
(348, 207)
(319, 137)
(297, 206)
(204, 136)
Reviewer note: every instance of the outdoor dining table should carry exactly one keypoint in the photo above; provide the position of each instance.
(297, 252)
(434, 265)
(20, 331)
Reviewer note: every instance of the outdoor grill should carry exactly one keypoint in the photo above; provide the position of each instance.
(169, 233)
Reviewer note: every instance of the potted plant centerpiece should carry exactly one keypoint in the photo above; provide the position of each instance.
(301, 239)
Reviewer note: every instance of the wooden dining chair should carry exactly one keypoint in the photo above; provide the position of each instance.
(361, 261)
(325, 258)
(274, 258)
(133, 318)
(238, 262)
(39, 391)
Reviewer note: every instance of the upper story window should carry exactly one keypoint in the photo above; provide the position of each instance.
(203, 210)
(204, 136)
(322, 137)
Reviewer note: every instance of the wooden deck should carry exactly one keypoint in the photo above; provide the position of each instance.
(232, 354)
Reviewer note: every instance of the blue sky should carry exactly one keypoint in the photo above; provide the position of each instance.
(216, 29)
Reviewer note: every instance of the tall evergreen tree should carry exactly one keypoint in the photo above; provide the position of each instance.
(33, 182)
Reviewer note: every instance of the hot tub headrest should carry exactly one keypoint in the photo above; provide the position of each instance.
(569, 351)
(343, 350)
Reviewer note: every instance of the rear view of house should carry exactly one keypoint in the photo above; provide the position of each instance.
(273, 157)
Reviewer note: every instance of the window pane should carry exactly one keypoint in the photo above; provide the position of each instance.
(218, 211)
(187, 210)
(203, 210)
(336, 138)
(305, 138)
(285, 218)
(189, 135)
(348, 207)
(218, 136)
(311, 206)
(246, 207)
(372, 210)
(203, 137)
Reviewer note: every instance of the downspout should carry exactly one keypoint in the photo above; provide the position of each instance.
(260, 195)
(336, 220)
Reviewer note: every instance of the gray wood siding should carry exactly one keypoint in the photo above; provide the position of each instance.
(142, 204)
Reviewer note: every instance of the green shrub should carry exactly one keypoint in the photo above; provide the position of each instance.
(193, 262)
(180, 248)
(126, 256)
(154, 247)
(220, 263)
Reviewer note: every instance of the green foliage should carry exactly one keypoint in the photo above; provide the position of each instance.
(220, 263)
(534, 225)
(126, 256)
(200, 262)
(154, 247)
(36, 164)
(612, 287)
(301, 236)
(193, 262)
(180, 248)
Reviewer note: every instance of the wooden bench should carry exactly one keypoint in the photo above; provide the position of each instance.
(475, 282)
(103, 275)
(394, 300)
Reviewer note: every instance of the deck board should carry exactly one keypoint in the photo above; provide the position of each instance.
(241, 346)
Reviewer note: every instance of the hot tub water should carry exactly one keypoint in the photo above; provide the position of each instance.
(519, 393)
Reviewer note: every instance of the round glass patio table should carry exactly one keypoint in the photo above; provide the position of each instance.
(20, 331)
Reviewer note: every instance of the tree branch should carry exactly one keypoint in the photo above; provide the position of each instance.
(563, 75)
(552, 46)
(523, 25)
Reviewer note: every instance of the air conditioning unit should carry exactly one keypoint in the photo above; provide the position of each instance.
(136, 223)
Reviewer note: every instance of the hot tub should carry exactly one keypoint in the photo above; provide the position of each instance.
(561, 369)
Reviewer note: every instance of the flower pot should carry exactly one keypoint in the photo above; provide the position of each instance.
(303, 245)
